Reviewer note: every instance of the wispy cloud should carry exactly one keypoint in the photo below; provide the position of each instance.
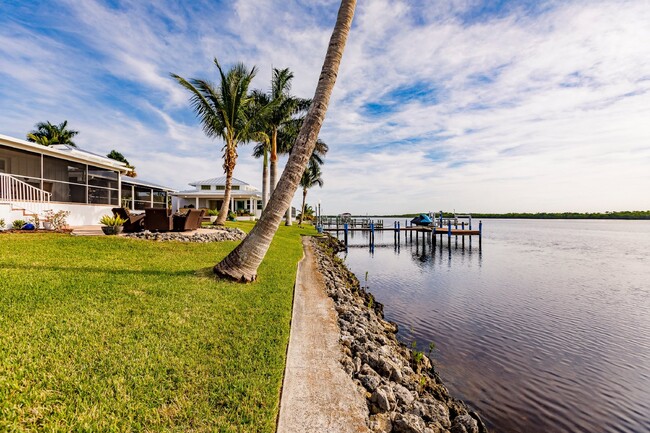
(483, 106)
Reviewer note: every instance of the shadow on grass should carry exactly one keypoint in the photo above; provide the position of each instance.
(113, 271)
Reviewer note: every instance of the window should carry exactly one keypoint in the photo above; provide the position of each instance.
(221, 187)
(235, 187)
(3, 166)
(205, 187)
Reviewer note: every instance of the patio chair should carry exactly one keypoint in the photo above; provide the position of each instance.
(134, 223)
(190, 221)
(158, 220)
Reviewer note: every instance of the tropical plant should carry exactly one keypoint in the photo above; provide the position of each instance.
(18, 224)
(212, 212)
(117, 156)
(310, 178)
(2, 223)
(307, 214)
(112, 221)
(225, 113)
(48, 134)
(242, 263)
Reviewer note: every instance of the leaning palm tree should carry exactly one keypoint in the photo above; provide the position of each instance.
(225, 113)
(242, 263)
(48, 134)
(310, 178)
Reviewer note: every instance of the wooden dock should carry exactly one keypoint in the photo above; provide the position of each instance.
(441, 228)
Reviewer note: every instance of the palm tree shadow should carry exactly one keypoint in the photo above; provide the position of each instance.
(98, 270)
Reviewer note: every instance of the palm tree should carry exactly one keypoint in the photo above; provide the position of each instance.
(48, 134)
(225, 112)
(310, 178)
(308, 213)
(242, 263)
(286, 107)
(286, 139)
(262, 149)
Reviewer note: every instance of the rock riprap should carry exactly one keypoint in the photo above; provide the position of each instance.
(201, 235)
(403, 391)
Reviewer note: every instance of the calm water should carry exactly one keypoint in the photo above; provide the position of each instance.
(546, 329)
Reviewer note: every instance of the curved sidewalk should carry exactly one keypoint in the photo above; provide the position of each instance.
(317, 394)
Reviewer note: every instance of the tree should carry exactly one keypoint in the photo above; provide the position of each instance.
(310, 178)
(48, 134)
(308, 213)
(242, 263)
(262, 149)
(117, 156)
(225, 112)
(284, 110)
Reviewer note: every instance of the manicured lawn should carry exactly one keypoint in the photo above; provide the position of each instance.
(112, 334)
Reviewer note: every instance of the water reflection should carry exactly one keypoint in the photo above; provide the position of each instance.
(545, 328)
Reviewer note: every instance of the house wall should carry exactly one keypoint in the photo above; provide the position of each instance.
(80, 214)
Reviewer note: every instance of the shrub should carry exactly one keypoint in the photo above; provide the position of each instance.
(213, 212)
(18, 224)
(57, 219)
(2, 223)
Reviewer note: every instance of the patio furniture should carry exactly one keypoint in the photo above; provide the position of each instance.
(134, 222)
(189, 221)
(158, 219)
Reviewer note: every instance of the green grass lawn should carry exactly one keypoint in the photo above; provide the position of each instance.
(114, 334)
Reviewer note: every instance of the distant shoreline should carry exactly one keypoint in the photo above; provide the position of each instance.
(617, 215)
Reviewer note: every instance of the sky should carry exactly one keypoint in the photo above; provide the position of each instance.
(472, 106)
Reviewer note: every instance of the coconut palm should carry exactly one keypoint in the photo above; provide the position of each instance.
(287, 137)
(286, 107)
(263, 147)
(48, 134)
(310, 178)
(225, 112)
(242, 263)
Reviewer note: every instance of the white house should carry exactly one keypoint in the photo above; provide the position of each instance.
(209, 194)
(36, 178)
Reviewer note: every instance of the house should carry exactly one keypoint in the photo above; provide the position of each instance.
(209, 194)
(36, 178)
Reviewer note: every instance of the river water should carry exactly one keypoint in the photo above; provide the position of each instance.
(546, 328)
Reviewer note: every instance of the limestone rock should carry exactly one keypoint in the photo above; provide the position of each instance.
(408, 423)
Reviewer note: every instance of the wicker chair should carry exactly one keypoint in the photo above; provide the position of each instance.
(190, 221)
(134, 223)
(158, 219)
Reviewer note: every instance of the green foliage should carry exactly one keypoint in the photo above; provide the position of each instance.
(213, 212)
(232, 216)
(2, 223)
(117, 156)
(48, 134)
(116, 334)
(57, 219)
(112, 221)
(17, 224)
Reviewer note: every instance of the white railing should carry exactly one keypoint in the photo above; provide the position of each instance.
(14, 190)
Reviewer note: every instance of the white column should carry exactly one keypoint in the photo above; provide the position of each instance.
(197, 202)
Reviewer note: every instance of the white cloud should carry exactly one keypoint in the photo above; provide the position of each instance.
(524, 111)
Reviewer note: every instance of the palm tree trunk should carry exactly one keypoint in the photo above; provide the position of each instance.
(265, 179)
(287, 217)
(274, 160)
(304, 201)
(242, 263)
(230, 159)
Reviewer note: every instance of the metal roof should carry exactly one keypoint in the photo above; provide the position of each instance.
(64, 151)
(218, 181)
(138, 182)
(217, 194)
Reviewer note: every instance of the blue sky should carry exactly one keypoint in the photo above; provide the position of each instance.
(467, 105)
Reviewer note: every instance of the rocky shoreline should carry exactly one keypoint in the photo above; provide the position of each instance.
(403, 392)
(201, 235)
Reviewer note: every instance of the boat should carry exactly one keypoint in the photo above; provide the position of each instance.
(422, 220)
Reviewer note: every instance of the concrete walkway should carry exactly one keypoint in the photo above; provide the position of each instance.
(317, 395)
